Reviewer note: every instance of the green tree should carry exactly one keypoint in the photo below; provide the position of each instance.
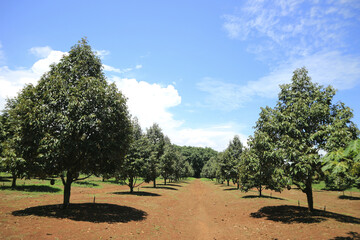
(132, 166)
(73, 121)
(157, 144)
(197, 157)
(209, 169)
(167, 162)
(225, 166)
(11, 151)
(306, 121)
(235, 150)
(260, 166)
(342, 167)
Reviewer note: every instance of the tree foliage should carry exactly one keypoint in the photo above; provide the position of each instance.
(342, 167)
(196, 157)
(11, 151)
(133, 165)
(73, 121)
(261, 167)
(306, 121)
(229, 161)
(156, 140)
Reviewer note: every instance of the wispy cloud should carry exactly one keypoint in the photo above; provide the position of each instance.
(288, 35)
(327, 68)
(102, 53)
(293, 27)
(108, 68)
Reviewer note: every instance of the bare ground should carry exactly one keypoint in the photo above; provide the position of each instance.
(186, 210)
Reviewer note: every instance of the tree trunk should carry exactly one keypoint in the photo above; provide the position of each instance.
(238, 185)
(309, 195)
(67, 189)
(131, 185)
(260, 191)
(154, 182)
(228, 182)
(164, 181)
(13, 183)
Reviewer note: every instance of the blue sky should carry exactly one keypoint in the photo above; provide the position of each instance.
(201, 69)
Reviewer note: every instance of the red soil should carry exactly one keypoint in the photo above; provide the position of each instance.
(187, 210)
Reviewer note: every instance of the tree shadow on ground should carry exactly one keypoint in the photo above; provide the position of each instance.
(352, 236)
(90, 212)
(162, 187)
(5, 179)
(293, 214)
(86, 184)
(230, 189)
(349, 197)
(32, 188)
(138, 193)
(169, 184)
(263, 196)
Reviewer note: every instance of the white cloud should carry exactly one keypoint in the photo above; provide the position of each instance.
(12, 81)
(102, 53)
(216, 137)
(329, 68)
(111, 69)
(151, 103)
(41, 52)
(108, 68)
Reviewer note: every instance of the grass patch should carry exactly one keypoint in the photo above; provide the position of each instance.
(321, 186)
(87, 184)
(32, 188)
(207, 180)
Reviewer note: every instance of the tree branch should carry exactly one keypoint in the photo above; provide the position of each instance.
(62, 179)
(79, 179)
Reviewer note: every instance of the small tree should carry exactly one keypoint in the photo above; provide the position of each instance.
(73, 121)
(167, 162)
(132, 167)
(235, 150)
(260, 167)
(225, 165)
(157, 143)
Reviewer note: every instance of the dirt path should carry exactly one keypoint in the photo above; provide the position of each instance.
(187, 210)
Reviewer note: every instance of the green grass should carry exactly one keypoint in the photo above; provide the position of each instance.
(208, 180)
(321, 186)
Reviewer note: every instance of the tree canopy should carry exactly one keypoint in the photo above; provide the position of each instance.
(306, 121)
(73, 121)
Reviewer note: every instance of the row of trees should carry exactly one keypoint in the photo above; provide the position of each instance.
(288, 140)
(73, 123)
(151, 155)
